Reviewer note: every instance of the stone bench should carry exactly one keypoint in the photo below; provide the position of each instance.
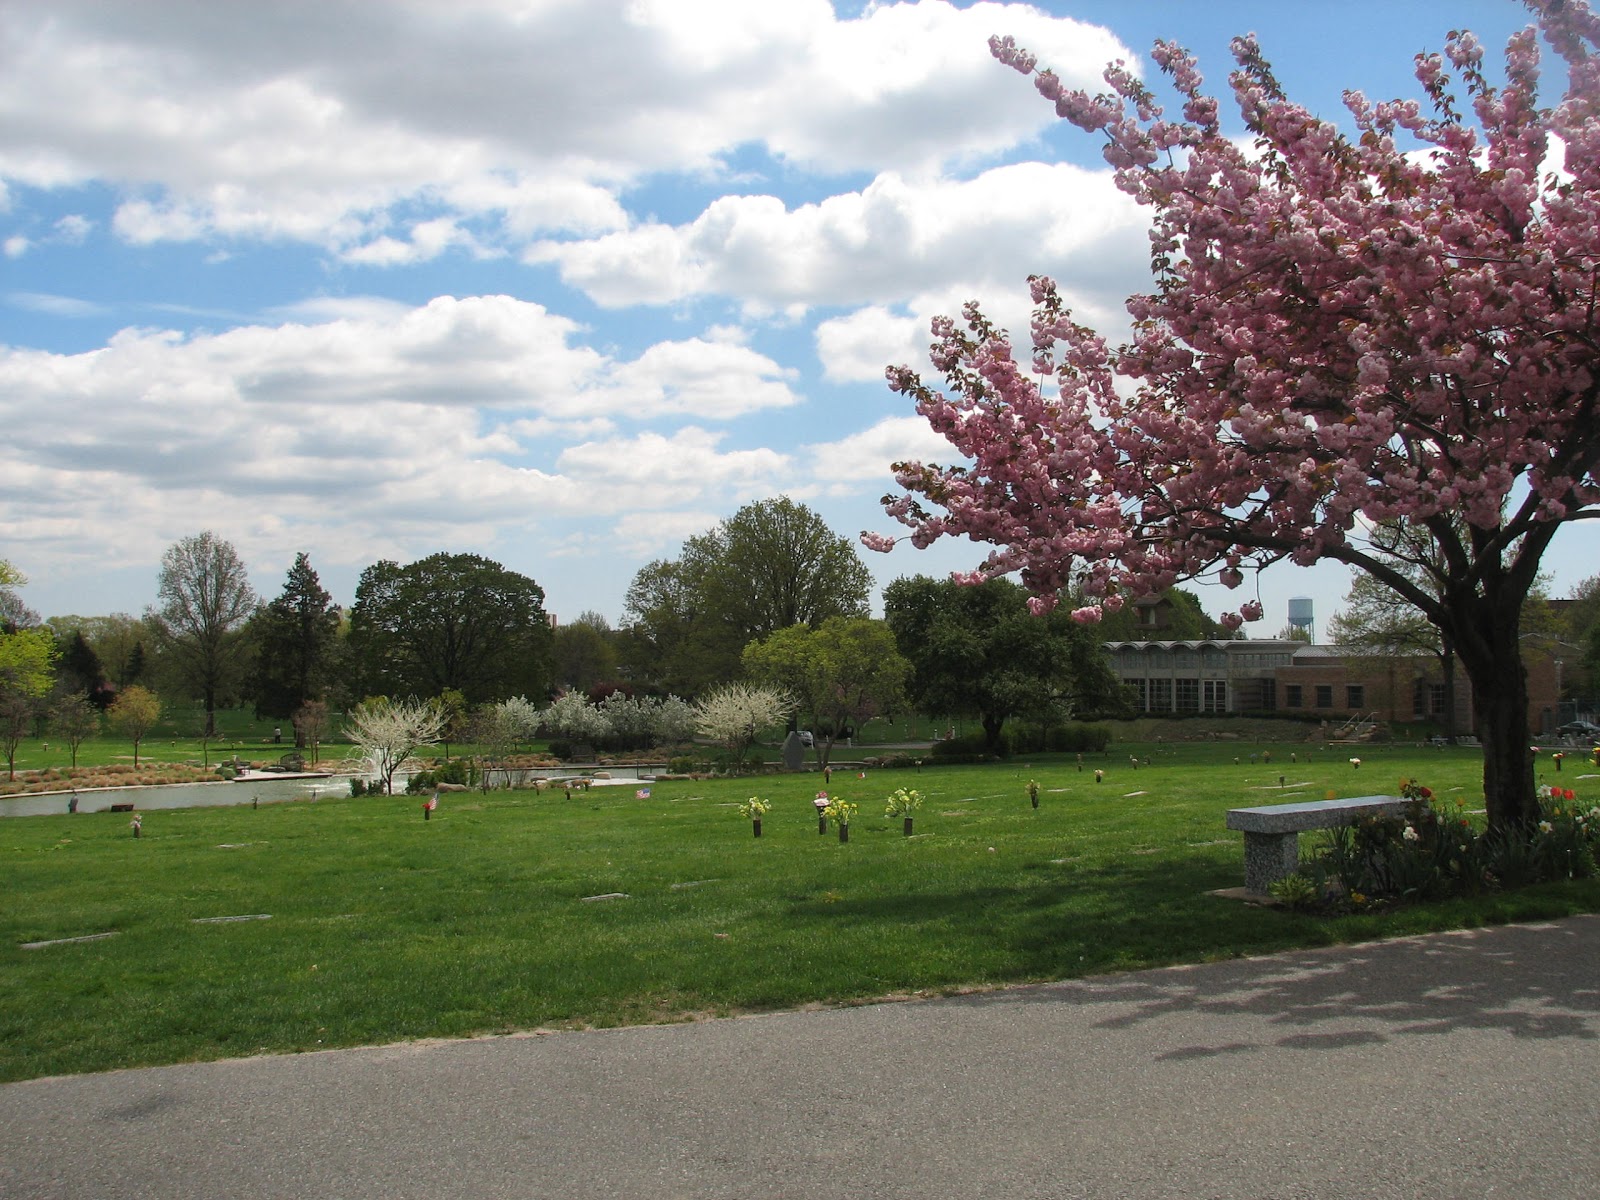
(1272, 832)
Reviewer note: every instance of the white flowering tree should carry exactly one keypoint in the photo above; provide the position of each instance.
(573, 717)
(630, 720)
(387, 732)
(676, 720)
(502, 727)
(736, 713)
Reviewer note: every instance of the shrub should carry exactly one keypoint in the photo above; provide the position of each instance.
(1431, 851)
(969, 747)
(455, 771)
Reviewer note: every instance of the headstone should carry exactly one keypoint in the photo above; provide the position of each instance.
(794, 753)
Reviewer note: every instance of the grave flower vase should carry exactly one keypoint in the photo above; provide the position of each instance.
(822, 824)
(844, 832)
(756, 822)
(908, 826)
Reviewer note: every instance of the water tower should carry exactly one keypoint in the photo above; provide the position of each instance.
(1300, 616)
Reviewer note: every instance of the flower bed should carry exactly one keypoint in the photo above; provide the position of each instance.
(1436, 850)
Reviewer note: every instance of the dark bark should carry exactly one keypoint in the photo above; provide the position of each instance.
(1491, 657)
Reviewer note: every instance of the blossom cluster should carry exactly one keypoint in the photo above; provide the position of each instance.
(1343, 331)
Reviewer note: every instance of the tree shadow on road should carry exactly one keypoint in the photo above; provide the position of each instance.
(1529, 981)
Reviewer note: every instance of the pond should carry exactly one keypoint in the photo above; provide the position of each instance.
(263, 790)
(180, 795)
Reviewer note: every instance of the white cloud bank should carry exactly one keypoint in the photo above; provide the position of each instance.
(335, 122)
(463, 416)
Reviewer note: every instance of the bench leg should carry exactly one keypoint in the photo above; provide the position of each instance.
(1269, 856)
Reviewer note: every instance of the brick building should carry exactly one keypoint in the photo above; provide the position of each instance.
(1283, 677)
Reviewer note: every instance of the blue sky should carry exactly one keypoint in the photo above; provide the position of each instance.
(560, 282)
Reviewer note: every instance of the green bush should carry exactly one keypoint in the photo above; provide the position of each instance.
(968, 747)
(457, 770)
(1432, 851)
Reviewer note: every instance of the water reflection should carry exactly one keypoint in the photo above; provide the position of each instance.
(269, 791)
(180, 795)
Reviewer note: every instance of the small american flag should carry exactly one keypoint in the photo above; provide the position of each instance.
(433, 803)
(642, 794)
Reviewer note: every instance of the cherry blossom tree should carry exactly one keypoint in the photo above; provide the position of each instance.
(1343, 330)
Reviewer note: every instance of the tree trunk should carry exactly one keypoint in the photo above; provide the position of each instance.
(992, 725)
(1447, 669)
(1500, 711)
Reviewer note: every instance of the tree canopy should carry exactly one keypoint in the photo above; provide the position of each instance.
(771, 565)
(206, 598)
(450, 621)
(978, 651)
(1342, 330)
(846, 671)
(296, 644)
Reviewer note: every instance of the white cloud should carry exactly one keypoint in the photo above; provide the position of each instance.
(15, 246)
(73, 229)
(659, 472)
(858, 346)
(453, 422)
(323, 122)
(710, 378)
(895, 237)
(657, 535)
(53, 305)
(866, 457)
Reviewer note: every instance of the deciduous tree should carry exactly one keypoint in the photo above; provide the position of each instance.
(26, 672)
(206, 598)
(14, 614)
(846, 671)
(1343, 330)
(584, 653)
(978, 651)
(73, 720)
(132, 714)
(771, 565)
(735, 714)
(310, 726)
(450, 621)
(388, 732)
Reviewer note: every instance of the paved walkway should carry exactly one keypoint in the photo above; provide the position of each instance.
(1456, 1065)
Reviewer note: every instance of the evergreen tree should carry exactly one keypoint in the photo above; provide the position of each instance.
(296, 638)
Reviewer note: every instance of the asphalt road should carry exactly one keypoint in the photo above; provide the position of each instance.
(1456, 1065)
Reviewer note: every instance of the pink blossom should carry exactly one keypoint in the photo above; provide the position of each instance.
(1341, 335)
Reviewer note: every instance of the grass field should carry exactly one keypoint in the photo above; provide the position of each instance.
(382, 926)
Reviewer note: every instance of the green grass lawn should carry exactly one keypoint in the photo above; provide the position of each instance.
(384, 926)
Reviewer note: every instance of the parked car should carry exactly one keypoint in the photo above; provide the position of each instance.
(1583, 731)
(806, 739)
